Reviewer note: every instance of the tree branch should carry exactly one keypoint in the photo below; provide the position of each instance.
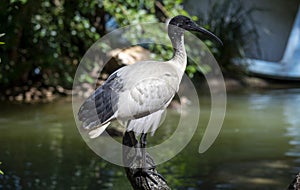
(295, 185)
(138, 181)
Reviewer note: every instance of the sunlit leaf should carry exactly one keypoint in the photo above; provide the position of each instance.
(1, 172)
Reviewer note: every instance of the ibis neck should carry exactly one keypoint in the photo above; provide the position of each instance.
(179, 56)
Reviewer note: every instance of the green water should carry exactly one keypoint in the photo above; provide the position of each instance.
(258, 147)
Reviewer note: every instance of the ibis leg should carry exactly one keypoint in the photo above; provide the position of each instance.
(141, 170)
(143, 142)
(146, 171)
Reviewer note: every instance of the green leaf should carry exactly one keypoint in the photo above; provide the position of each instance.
(89, 79)
(1, 172)
(1, 43)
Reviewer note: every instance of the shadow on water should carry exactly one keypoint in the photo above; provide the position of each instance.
(258, 147)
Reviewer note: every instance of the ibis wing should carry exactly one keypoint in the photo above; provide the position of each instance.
(145, 97)
(100, 107)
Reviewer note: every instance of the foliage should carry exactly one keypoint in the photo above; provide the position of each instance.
(1, 172)
(1, 43)
(233, 24)
(47, 38)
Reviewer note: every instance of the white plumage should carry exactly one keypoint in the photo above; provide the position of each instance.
(143, 93)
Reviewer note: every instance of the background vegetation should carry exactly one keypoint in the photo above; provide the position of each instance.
(1, 172)
(233, 23)
(45, 39)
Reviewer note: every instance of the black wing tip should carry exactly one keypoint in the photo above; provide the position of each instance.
(98, 108)
(85, 108)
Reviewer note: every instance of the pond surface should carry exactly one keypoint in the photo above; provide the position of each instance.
(258, 147)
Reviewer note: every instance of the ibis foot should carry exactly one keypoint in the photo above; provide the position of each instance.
(148, 173)
(148, 177)
(146, 170)
(140, 166)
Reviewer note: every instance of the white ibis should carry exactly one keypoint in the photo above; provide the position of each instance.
(138, 94)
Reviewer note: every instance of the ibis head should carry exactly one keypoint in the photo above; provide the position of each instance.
(189, 25)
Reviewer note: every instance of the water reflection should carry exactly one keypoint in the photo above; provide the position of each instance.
(41, 149)
(258, 148)
(289, 101)
(292, 114)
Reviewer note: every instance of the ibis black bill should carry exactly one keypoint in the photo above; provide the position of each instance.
(208, 34)
(187, 24)
(196, 28)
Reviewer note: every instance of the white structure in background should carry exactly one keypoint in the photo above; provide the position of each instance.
(278, 28)
(289, 66)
